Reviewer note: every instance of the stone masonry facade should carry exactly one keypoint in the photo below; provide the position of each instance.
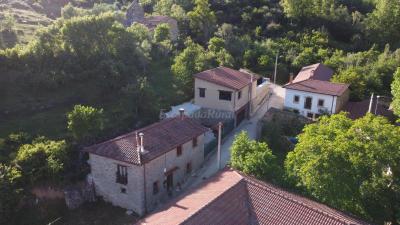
(141, 179)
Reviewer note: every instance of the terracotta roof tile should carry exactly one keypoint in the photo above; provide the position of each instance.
(357, 110)
(316, 72)
(226, 77)
(183, 208)
(318, 86)
(233, 198)
(159, 138)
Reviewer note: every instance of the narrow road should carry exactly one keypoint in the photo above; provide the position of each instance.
(210, 166)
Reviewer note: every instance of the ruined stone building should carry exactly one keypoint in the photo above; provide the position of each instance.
(135, 14)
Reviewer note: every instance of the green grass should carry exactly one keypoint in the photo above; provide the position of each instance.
(51, 123)
(27, 21)
(56, 213)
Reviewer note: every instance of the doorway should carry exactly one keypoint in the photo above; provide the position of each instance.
(170, 182)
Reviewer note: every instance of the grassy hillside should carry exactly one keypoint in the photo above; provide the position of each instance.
(29, 15)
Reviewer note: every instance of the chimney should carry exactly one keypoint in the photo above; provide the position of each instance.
(138, 146)
(137, 142)
(291, 77)
(141, 143)
(182, 113)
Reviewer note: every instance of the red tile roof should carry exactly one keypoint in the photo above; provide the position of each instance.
(226, 77)
(231, 198)
(159, 138)
(357, 110)
(316, 72)
(318, 86)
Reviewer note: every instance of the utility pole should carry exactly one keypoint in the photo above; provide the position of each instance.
(370, 103)
(219, 145)
(276, 66)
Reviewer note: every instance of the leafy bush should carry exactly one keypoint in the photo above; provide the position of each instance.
(43, 159)
(254, 158)
(10, 192)
(85, 122)
(396, 92)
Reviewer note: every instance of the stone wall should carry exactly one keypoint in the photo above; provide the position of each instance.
(155, 170)
(103, 173)
(134, 13)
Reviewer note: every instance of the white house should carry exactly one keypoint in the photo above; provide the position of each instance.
(138, 170)
(229, 90)
(311, 94)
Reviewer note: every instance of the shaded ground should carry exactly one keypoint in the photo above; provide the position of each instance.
(55, 213)
(277, 127)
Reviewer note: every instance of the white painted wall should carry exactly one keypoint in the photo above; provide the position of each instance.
(329, 102)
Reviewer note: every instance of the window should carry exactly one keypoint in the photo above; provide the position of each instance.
(179, 150)
(194, 142)
(321, 103)
(310, 115)
(239, 94)
(189, 168)
(123, 190)
(225, 95)
(122, 174)
(308, 103)
(296, 99)
(202, 92)
(155, 188)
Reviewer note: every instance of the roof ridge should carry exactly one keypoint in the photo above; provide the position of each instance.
(165, 121)
(128, 134)
(287, 197)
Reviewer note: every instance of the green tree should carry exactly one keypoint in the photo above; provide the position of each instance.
(8, 22)
(85, 122)
(169, 8)
(351, 165)
(297, 8)
(10, 145)
(161, 33)
(202, 20)
(309, 8)
(43, 159)
(254, 158)
(384, 22)
(10, 192)
(216, 47)
(352, 76)
(396, 92)
(193, 59)
(69, 11)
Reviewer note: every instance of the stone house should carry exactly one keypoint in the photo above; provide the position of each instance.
(135, 14)
(311, 93)
(229, 90)
(139, 170)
